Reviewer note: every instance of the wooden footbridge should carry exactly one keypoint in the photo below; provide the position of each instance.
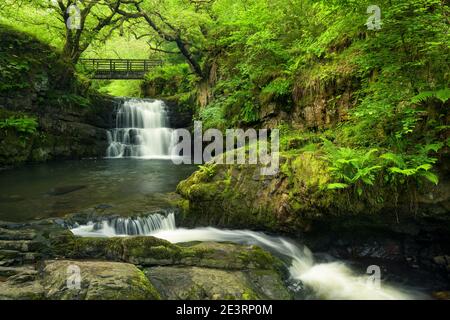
(119, 68)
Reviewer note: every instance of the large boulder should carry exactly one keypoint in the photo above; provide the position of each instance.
(150, 251)
(100, 280)
(194, 283)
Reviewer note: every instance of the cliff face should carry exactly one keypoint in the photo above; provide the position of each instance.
(45, 112)
(296, 200)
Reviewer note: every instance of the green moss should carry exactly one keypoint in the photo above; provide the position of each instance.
(149, 247)
(141, 282)
(260, 259)
(249, 294)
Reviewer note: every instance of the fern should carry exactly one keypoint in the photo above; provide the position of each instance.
(443, 95)
(407, 169)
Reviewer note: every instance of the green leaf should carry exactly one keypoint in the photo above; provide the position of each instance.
(334, 186)
(431, 177)
(398, 160)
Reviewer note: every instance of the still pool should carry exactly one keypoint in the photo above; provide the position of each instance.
(58, 188)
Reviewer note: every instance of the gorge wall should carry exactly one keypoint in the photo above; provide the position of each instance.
(45, 111)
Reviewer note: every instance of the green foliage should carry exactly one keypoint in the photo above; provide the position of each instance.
(212, 117)
(443, 95)
(364, 167)
(400, 168)
(262, 58)
(121, 88)
(22, 124)
(351, 166)
(63, 98)
(171, 79)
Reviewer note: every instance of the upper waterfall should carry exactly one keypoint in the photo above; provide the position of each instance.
(141, 130)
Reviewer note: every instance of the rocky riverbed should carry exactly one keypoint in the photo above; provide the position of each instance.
(35, 259)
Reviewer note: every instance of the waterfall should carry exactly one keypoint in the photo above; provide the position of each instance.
(331, 280)
(134, 226)
(141, 131)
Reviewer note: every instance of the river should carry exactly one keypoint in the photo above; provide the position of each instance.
(128, 181)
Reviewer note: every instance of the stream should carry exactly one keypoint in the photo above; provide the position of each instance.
(325, 280)
(136, 169)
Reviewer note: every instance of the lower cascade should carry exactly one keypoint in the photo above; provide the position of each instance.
(135, 226)
(141, 131)
(330, 280)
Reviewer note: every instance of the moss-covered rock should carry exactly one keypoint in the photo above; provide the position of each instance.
(150, 251)
(214, 284)
(238, 196)
(108, 272)
(99, 281)
(297, 199)
(29, 290)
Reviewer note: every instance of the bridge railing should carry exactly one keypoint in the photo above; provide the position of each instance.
(119, 68)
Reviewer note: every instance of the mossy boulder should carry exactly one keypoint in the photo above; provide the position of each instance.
(150, 251)
(196, 283)
(238, 196)
(99, 281)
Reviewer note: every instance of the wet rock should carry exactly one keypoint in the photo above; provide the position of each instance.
(59, 191)
(150, 251)
(30, 290)
(108, 269)
(20, 245)
(22, 234)
(298, 200)
(103, 206)
(195, 283)
(99, 281)
(227, 256)
(12, 271)
(13, 257)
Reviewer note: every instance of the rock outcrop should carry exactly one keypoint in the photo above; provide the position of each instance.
(37, 84)
(37, 260)
(297, 202)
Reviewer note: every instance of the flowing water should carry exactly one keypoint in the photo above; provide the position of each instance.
(330, 280)
(142, 131)
(127, 187)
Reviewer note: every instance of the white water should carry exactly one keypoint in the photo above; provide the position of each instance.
(332, 280)
(141, 131)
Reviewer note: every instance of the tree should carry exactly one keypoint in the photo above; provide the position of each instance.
(77, 23)
(188, 36)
